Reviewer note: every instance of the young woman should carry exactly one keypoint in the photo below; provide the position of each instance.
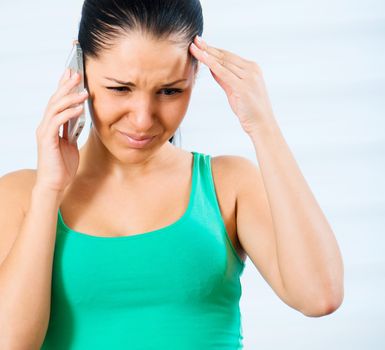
(133, 243)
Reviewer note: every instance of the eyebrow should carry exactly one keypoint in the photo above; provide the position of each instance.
(128, 83)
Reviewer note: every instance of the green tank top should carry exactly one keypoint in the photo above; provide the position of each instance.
(177, 287)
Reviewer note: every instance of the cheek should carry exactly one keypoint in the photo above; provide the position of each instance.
(174, 111)
(107, 106)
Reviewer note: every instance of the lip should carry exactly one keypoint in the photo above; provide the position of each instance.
(138, 138)
(136, 141)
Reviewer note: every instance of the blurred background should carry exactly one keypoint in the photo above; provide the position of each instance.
(323, 64)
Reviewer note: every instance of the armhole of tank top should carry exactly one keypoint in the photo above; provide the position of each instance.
(60, 222)
(218, 210)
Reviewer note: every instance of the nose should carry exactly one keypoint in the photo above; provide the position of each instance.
(141, 114)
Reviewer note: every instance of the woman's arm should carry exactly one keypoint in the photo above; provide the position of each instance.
(283, 230)
(26, 266)
(280, 224)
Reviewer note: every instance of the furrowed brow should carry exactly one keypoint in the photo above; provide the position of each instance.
(128, 83)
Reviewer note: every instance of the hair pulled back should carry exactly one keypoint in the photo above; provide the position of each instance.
(104, 21)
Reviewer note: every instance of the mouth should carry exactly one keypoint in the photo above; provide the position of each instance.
(137, 141)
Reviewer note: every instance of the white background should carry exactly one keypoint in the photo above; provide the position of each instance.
(323, 63)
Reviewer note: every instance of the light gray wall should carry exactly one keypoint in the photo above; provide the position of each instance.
(323, 63)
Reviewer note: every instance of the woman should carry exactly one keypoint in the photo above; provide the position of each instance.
(133, 243)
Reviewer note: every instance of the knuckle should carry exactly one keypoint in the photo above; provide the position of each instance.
(257, 69)
(73, 80)
(69, 82)
(52, 98)
(38, 132)
(56, 122)
(71, 99)
(59, 120)
(48, 111)
(72, 111)
(78, 96)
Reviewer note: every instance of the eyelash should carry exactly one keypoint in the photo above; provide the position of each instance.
(117, 89)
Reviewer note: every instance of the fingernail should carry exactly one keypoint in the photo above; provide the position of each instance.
(75, 76)
(199, 38)
(84, 92)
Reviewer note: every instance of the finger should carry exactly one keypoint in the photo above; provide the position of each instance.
(63, 117)
(66, 75)
(61, 105)
(219, 81)
(51, 131)
(68, 101)
(222, 54)
(222, 72)
(240, 73)
(66, 88)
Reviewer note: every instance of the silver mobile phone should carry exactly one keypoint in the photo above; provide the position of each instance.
(75, 63)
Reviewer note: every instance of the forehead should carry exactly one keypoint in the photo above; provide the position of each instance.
(139, 57)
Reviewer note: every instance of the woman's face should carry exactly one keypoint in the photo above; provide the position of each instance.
(140, 87)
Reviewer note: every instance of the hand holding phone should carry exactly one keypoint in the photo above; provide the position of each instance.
(58, 160)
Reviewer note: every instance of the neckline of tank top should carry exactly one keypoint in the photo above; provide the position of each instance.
(148, 233)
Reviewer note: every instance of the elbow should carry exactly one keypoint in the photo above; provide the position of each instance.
(325, 304)
(323, 309)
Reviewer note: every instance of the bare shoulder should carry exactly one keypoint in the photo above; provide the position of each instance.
(16, 187)
(237, 170)
(234, 162)
(15, 190)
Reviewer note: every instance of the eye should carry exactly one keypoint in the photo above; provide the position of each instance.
(119, 88)
(166, 92)
(170, 92)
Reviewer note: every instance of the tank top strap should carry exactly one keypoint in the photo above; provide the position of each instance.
(205, 190)
(205, 202)
(205, 195)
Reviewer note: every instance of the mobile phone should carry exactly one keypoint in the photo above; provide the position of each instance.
(75, 63)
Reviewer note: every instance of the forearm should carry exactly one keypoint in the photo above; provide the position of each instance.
(308, 256)
(26, 273)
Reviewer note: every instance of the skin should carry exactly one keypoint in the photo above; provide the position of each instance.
(143, 187)
(280, 224)
(144, 109)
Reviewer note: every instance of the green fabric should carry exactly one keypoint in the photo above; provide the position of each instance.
(177, 287)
